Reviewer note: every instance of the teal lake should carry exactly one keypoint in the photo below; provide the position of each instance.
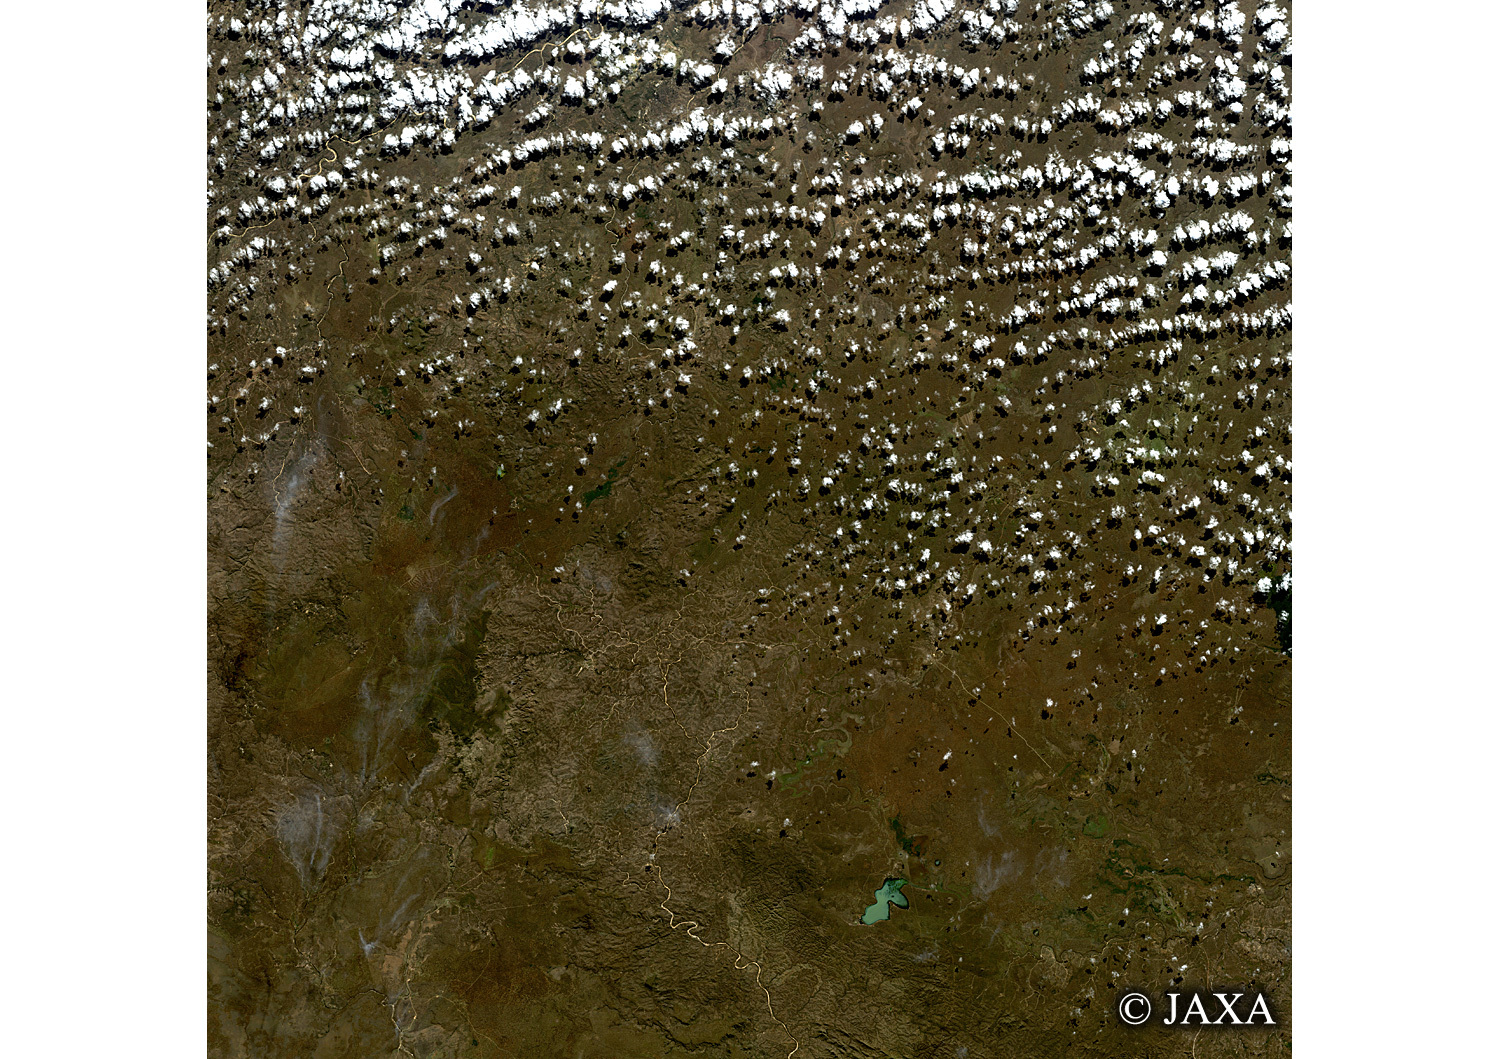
(888, 894)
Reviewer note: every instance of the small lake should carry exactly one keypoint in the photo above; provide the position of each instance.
(888, 894)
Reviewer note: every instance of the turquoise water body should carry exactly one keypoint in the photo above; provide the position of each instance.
(888, 894)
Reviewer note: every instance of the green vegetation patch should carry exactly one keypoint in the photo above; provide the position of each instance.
(599, 492)
(451, 697)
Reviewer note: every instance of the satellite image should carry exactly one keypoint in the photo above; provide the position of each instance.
(748, 529)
